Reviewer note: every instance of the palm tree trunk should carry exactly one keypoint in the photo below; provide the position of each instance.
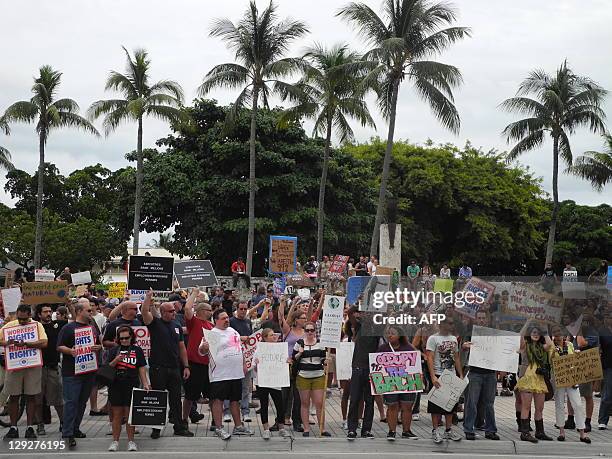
(39, 203)
(321, 213)
(138, 197)
(385, 172)
(251, 232)
(553, 221)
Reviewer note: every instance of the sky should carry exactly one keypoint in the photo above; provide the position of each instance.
(83, 40)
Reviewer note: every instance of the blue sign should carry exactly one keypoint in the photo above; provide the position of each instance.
(355, 287)
(610, 277)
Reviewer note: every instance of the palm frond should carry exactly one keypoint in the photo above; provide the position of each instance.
(169, 87)
(519, 129)
(164, 113)
(442, 107)
(442, 76)
(372, 28)
(224, 76)
(440, 41)
(565, 150)
(23, 111)
(526, 106)
(68, 119)
(5, 159)
(101, 107)
(66, 105)
(529, 142)
(119, 82)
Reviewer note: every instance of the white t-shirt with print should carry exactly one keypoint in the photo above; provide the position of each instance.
(226, 361)
(444, 349)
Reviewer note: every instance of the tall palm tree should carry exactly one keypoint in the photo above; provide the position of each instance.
(329, 91)
(563, 102)
(259, 42)
(408, 34)
(161, 100)
(49, 113)
(595, 166)
(5, 155)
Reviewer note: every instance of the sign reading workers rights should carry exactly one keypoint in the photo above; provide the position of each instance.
(151, 273)
(20, 357)
(195, 273)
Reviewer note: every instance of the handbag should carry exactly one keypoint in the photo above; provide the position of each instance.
(106, 375)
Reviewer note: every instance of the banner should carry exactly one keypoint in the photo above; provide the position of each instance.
(81, 278)
(44, 292)
(117, 290)
(195, 273)
(331, 323)
(20, 357)
(273, 368)
(283, 254)
(44, 275)
(443, 285)
(249, 347)
(344, 360)
(494, 349)
(395, 372)
(450, 390)
(143, 339)
(86, 360)
(148, 408)
(477, 287)
(338, 266)
(11, 298)
(155, 273)
(578, 368)
(527, 302)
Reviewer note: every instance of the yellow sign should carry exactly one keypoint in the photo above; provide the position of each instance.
(117, 289)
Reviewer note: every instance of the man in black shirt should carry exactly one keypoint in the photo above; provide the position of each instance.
(167, 347)
(129, 311)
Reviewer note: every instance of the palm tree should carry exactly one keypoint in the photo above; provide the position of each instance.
(162, 100)
(562, 103)
(409, 32)
(259, 42)
(49, 113)
(5, 155)
(329, 91)
(595, 166)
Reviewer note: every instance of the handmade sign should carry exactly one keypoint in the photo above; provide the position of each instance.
(249, 347)
(44, 275)
(155, 273)
(494, 349)
(395, 372)
(143, 339)
(81, 278)
(527, 302)
(9, 278)
(273, 368)
(344, 360)
(44, 292)
(86, 360)
(384, 271)
(279, 285)
(578, 368)
(304, 294)
(117, 289)
(450, 390)
(283, 254)
(11, 298)
(331, 324)
(338, 266)
(299, 280)
(443, 285)
(148, 408)
(20, 357)
(570, 276)
(477, 287)
(195, 273)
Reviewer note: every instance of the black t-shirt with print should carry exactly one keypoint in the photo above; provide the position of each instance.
(50, 354)
(127, 369)
(165, 339)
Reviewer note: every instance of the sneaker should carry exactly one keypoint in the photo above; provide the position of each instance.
(305, 434)
(491, 436)
(284, 433)
(436, 436)
(40, 430)
(602, 426)
(155, 434)
(132, 446)
(223, 434)
(345, 425)
(183, 433)
(114, 446)
(266, 435)
(12, 433)
(79, 434)
(227, 418)
(351, 436)
(359, 424)
(325, 433)
(368, 435)
(242, 431)
(197, 417)
(391, 436)
(416, 417)
(409, 435)
(30, 434)
(452, 435)
(246, 418)
(470, 436)
(71, 443)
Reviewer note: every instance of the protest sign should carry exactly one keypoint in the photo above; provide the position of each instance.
(77, 291)
(450, 390)
(609, 281)
(443, 285)
(376, 284)
(570, 276)
(81, 278)
(44, 292)
(304, 294)
(155, 273)
(11, 298)
(482, 293)
(527, 302)
(44, 275)
(273, 368)
(148, 408)
(331, 324)
(117, 289)
(20, 357)
(573, 290)
(137, 295)
(283, 254)
(143, 339)
(395, 372)
(494, 349)
(577, 368)
(289, 290)
(279, 285)
(344, 360)
(86, 360)
(249, 347)
(355, 287)
(195, 273)
(299, 280)
(338, 266)
(9, 278)
(384, 271)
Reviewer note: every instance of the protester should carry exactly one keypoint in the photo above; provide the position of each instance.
(413, 271)
(548, 278)
(128, 311)
(427, 276)
(238, 269)
(605, 343)
(465, 272)
(445, 272)
(243, 326)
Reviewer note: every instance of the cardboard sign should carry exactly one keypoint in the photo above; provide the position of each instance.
(86, 360)
(384, 271)
(44, 275)
(450, 390)
(578, 368)
(338, 266)
(20, 357)
(331, 324)
(9, 278)
(395, 372)
(299, 280)
(283, 254)
(148, 408)
(525, 301)
(155, 273)
(81, 278)
(117, 289)
(344, 360)
(195, 273)
(249, 347)
(11, 298)
(477, 287)
(44, 292)
(143, 339)
(494, 349)
(273, 368)
(443, 285)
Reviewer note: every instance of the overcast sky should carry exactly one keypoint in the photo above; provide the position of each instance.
(83, 39)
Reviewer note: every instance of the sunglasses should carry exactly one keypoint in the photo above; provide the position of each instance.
(309, 330)
(121, 338)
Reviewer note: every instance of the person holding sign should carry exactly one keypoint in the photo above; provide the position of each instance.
(130, 364)
(23, 339)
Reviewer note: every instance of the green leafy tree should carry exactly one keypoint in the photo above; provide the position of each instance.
(141, 98)
(259, 41)
(408, 33)
(5, 155)
(563, 102)
(594, 166)
(49, 113)
(329, 91)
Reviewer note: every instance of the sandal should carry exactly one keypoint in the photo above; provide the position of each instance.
(561, 438)
(325, 433)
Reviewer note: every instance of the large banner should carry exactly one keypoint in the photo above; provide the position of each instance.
(86, 360)
(195, 273)
(494, 349)
(20, 357)
(578, 368)
(143, 339)
(395, 372)
(273, 368)
(331, 325)
(344, 360)
(249, 347)
(283, 254)
(451, 387)
(155, 273)
(44, 292)
(148, 408)
(477, 287)
(338, 266)
(527, 302)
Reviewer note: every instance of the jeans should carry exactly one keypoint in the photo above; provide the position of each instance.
(361, 390)
(244, 401)
(480, 388)
(170, 379)
(76, 391)
(606, 397)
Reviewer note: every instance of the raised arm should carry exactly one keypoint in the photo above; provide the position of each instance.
(190, 303)
(145, 310)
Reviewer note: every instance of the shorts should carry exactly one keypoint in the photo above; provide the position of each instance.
(120, 392)
(198, 384)
(226, 390)
(317, 383)
(23, 382)
(586, 389)
(51, 386)
(394, 399)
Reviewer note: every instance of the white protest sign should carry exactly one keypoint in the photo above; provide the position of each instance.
(570, 276)
(86, 360)
(344, 360)
(249, 347)
(44, 275)
(331, 324)
(289, 290)
(212, 340)
(20, 357)
(304, 293)
(11, 297)
(573, 290)
(137, 295)
(81, 278)
(494, 349)
(451, 388)
(272, 369)
(143, 339)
